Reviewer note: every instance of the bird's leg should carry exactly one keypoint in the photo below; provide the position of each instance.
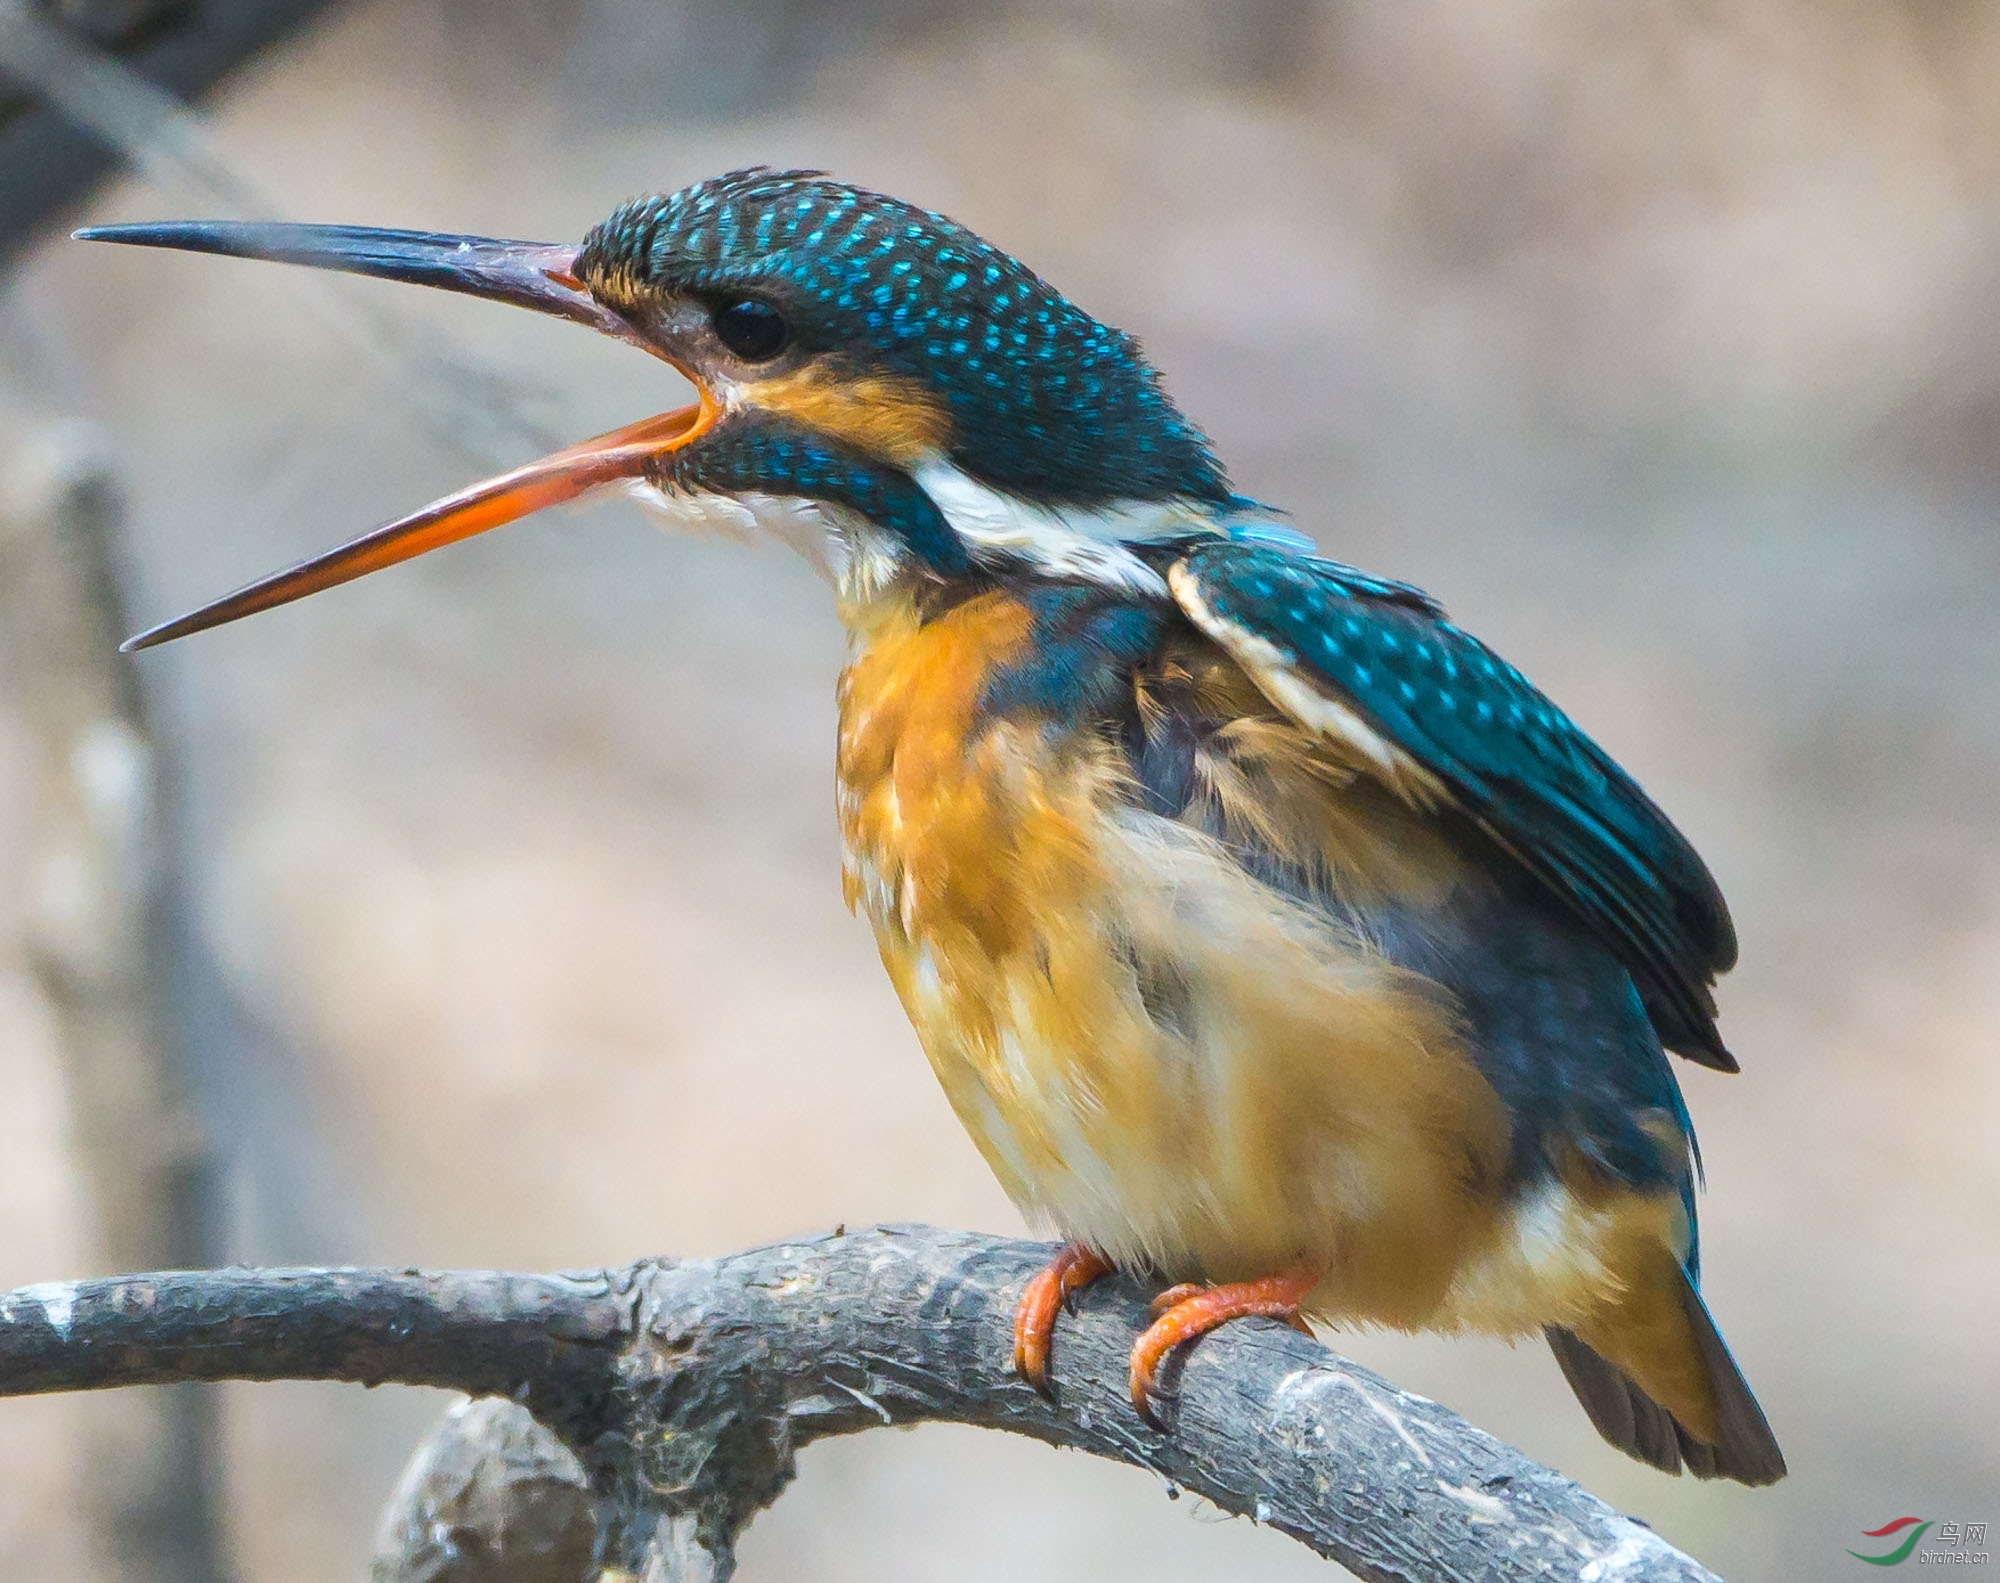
(1186, 1312)
(1073, 1268)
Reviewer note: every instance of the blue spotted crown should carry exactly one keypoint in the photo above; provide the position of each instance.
(1045, 402)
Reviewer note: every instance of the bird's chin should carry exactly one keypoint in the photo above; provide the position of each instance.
(858, 560)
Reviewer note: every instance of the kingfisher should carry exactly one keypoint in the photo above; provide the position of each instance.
(1274, 939)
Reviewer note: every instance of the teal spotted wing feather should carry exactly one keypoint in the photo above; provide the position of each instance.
(1508, 760)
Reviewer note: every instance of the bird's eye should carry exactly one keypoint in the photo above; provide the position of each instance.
(751, 328)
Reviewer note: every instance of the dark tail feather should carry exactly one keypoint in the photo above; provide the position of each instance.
(1640, 1427)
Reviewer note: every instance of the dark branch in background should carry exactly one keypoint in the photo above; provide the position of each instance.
(47, 157)
(88, 93)
(686, 1389)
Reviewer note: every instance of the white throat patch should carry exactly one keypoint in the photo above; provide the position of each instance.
(857, 559)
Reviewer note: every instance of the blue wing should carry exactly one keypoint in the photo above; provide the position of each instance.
(1505, 757)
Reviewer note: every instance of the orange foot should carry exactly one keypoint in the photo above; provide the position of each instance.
(1073, 1268)
(1186, 1312)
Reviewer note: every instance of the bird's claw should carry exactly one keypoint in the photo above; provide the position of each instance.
(1049, 1293)
(1153, 1405)
(1186, 1312)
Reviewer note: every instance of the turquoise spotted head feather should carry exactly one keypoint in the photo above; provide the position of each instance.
(1042, 400)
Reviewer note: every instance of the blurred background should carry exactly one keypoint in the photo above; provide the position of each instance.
(500, 919)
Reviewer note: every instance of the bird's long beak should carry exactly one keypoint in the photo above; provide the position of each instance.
(536, 275)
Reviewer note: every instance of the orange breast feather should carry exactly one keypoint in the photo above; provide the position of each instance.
(1156, 1053)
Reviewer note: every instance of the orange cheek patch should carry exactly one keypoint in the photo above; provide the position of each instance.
(897, 420)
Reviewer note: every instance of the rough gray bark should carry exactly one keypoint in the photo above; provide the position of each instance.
(98, 938)
(686, 1389)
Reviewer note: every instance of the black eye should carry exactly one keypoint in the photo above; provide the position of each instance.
(754, 330)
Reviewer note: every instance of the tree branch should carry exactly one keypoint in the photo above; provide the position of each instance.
(685, 1390)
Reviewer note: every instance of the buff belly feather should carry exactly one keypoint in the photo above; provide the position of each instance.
(1159, 1055)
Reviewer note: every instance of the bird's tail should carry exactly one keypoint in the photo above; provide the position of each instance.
(1658, 1382)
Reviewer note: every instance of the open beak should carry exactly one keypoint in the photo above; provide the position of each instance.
(538, 275)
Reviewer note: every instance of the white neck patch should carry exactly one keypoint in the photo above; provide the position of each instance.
(1090, 544)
